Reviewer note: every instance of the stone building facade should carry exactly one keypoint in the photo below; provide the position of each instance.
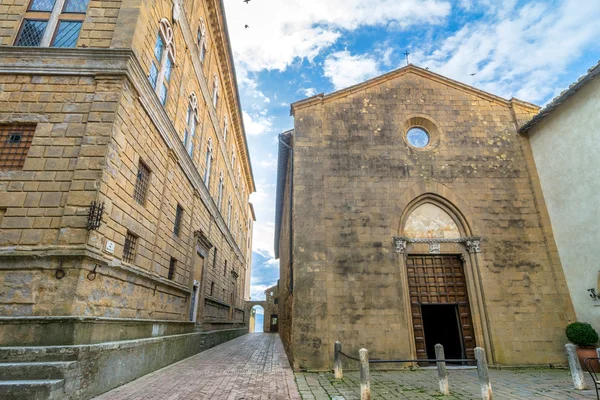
(565, 141)
(410, 213)
(124, 172)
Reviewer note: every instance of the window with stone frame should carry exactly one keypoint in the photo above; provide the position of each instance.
(215, 91)
(15, 141)
(52, 23)
(220, 190)
(163, 60)
(225, 269)
(178, 219)
(130, 247)
(208, 163)
(229, 205)
(142, 182)
(215, 258)
(233, 157)
(172, 267)
(191, 124)
(212, 289)
(225, 128)
(201, 40)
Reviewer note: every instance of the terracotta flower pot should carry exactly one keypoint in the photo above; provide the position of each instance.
(588, 352)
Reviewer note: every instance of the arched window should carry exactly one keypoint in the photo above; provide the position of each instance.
(163, 60)
(215, 93)
(225, 128)
(201, 40)
(239, 178)
(192, 121)
(232, 156)
(229, 212)
(243, 191)
(235, 226)
(221, 186)
(209, 156)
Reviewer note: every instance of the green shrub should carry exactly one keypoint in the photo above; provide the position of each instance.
(582, 334)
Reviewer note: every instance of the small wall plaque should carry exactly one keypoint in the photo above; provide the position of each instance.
(110, 246)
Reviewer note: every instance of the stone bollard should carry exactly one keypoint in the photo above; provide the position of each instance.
(484, 375)
(441, 369)
(337, 361)
(575, 367)
(365, 376)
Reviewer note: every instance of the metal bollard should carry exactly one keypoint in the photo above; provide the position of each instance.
(575, 367)
(365, 376)
(441, 369)
(337, 361)
(484, 376)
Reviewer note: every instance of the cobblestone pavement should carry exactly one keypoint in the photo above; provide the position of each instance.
(530, 384)
(253, 366)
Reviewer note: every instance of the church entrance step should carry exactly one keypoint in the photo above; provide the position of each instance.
(46, 389)
(36, 370)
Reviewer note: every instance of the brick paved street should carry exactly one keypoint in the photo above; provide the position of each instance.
(253, 366)
(531, 384)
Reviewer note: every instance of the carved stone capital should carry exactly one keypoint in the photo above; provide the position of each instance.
(400, 244)
(473, 244)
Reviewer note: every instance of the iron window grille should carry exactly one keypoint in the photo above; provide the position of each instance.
(15, 141)
(141, 183)
(172, 266)
(178, 217)
(52, 23)
(129, 247)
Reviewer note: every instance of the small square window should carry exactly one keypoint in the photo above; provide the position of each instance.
(31, 33)
(172, 266)
(67, 34)
(42, 5)
(178, 218)
(76, 6)
(129, 247)
(141, 183)
(15, 141)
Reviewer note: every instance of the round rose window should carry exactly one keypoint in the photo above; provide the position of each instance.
(417, 137)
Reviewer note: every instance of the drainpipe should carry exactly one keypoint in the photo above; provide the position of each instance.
(291, 209)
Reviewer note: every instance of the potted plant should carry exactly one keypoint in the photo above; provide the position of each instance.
(585, 337)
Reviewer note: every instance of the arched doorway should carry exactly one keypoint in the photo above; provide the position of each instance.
(434, 242)
(257, 315)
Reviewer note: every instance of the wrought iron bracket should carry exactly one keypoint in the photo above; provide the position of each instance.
(95, 216)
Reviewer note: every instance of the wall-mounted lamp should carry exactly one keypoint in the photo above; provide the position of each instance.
(593, 294)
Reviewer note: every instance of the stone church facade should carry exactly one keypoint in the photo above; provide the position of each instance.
(124, 179)
(409, 213)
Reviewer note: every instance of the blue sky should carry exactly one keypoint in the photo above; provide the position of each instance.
(531, 50)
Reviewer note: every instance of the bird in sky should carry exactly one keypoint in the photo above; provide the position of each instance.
(246, 26)
(473, 74)
(246, 1)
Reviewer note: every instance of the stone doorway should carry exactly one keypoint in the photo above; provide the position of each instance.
(440, 306)
(274, 323)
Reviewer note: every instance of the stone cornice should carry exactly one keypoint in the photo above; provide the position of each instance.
(472, 243)
(93, 62)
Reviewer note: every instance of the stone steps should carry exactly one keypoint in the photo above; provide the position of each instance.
(35, 370)
(42, 389)
(38, 354)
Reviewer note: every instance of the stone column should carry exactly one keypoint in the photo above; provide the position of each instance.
(365, 376)
(441, 369)
(337, 361)
(575, 367)
(484, 377)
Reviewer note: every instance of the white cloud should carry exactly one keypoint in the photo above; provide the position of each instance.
(269, 163)
(522, 51)
(282, 30)
(344, 69)
(257, 124)
(308, 92)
